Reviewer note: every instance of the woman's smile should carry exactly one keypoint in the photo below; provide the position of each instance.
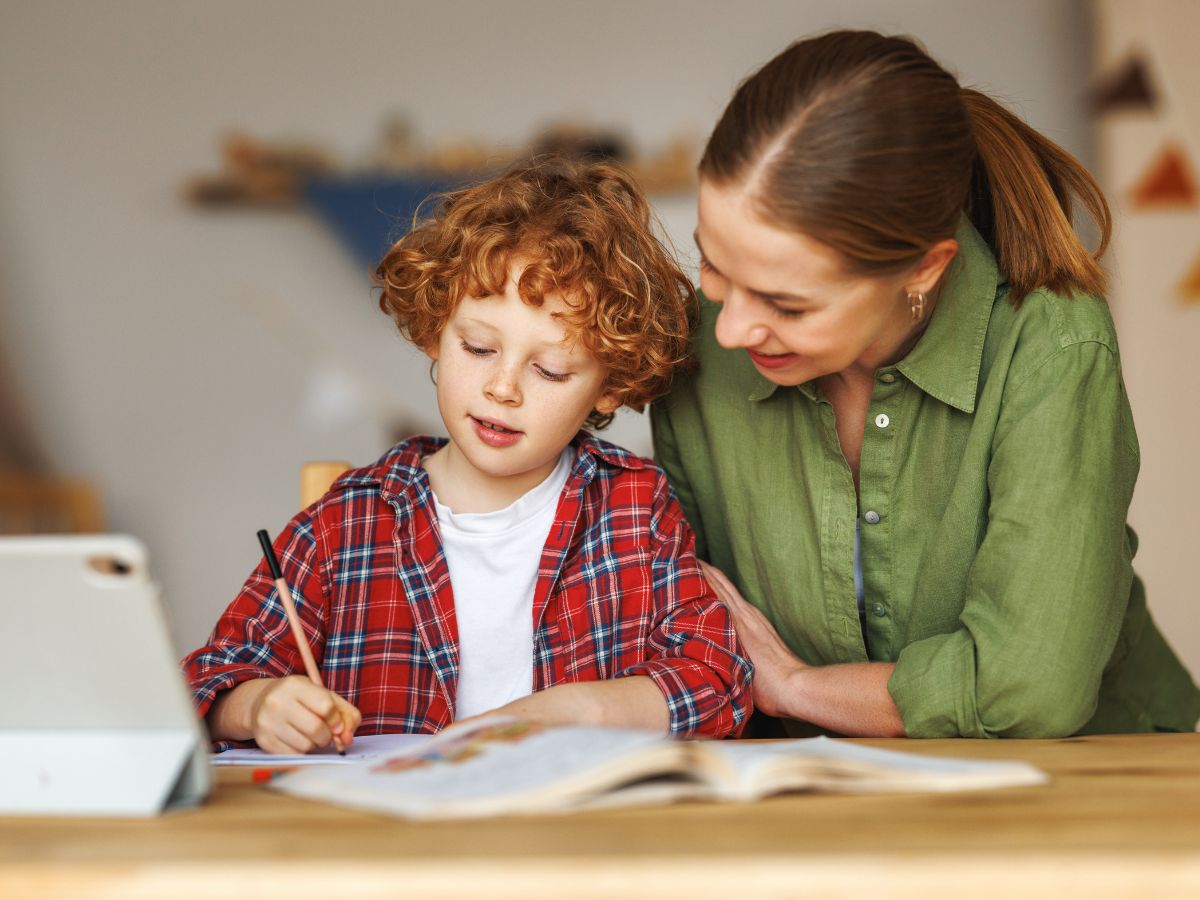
(772, 360)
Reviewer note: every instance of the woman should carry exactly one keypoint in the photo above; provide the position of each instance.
(912, 485)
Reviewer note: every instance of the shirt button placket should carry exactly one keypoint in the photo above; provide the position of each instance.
(876, 476)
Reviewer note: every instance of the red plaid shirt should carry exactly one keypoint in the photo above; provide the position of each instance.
(618, 593)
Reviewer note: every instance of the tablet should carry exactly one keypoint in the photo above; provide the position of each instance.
(96, 718)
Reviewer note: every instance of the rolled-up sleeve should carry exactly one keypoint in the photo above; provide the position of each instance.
(697, 662)
(1049, 586)
(252, 638)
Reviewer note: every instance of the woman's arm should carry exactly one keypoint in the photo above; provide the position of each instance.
(1050, 582)
(850, 698)
(1047, 591)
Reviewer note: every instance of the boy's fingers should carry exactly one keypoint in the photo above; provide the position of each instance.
(312, 727)
(346, 714)
(293, 740)
(319, 701)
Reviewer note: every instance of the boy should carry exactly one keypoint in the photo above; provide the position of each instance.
(522, 566)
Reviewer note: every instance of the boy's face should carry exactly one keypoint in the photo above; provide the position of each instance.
(512, 387)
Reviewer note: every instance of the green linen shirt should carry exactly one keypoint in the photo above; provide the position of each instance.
(998, 462)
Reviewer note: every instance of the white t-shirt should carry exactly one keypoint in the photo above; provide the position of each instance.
(493, 560)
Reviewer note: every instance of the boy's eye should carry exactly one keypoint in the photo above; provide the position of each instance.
(552, 376)
(475, 351)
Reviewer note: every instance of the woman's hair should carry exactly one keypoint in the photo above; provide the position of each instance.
(584, 232)
(863, 142)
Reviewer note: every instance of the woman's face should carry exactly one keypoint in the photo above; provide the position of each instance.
(789, 300)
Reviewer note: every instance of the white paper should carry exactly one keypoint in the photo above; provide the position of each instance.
(364, 748)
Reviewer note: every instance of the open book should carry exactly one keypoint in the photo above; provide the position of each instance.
(502, 766)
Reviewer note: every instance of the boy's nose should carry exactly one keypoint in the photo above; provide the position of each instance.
(503, 387)
(737, 326)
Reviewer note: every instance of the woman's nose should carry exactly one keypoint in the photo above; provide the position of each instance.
(737, 326)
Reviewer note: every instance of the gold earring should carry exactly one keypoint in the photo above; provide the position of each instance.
(916, 304)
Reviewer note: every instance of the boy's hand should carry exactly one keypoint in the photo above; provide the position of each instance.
(293, 715)
(634, 701)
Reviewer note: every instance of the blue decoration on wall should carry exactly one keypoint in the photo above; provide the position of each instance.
(370, 212)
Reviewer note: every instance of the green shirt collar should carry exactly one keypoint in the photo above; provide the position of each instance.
(945, 362)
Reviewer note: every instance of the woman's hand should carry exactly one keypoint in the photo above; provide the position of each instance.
(775, 666)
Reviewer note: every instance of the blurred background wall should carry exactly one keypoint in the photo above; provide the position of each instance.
(1147, 77)
(188, 361)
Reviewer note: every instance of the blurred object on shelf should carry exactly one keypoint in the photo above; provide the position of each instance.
(278, 174)
(32, 504)
(581, 142)
(260, 173)
(397, 149)
(371, 206)
(672, 171)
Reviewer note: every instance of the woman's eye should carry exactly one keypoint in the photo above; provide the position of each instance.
(552, 376)
(787, 313)
(475, 351)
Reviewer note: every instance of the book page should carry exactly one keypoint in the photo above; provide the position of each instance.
(820, 763)
(365, 747)
(493, 766)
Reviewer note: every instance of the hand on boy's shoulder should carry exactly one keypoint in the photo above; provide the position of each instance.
(293, 715)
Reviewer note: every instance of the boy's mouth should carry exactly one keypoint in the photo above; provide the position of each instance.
(495, 434)
(495, 426)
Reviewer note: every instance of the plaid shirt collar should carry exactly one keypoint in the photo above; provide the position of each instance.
(403, 481)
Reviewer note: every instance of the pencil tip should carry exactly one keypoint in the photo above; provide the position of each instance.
(341, 753)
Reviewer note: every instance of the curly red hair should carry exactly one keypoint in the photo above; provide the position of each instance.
(584, 232)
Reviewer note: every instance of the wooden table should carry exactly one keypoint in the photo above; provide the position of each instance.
(1121, 818)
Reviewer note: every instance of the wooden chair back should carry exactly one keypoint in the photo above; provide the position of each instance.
(31, 504)
(316, 477)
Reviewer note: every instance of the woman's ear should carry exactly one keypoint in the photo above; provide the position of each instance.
(932, 266)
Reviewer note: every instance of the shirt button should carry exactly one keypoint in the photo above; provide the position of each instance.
(878, 611)
(887, 377)
(882, 420)
(871, 517)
